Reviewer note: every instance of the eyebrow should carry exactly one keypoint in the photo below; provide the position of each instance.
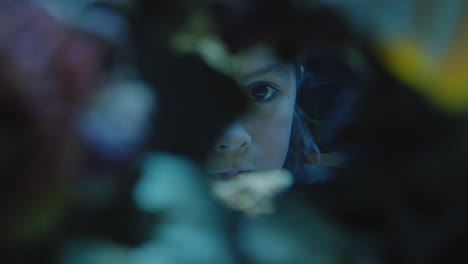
(276, 68)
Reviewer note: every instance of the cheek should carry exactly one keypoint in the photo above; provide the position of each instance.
(271, 131)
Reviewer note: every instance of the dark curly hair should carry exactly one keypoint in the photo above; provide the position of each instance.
(304, 154)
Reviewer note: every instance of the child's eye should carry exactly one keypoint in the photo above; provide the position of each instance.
(261, 92)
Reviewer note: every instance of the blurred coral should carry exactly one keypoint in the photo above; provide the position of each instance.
(48, 71)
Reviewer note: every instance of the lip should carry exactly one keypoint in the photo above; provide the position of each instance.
(228, 174)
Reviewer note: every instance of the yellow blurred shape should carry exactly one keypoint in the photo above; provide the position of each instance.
(443, 81)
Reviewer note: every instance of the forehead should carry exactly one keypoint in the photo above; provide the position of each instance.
(259, 61)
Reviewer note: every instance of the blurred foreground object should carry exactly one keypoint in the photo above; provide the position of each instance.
(433, 57)
(253, 193)
(48, 71)
(116, 123)
(423, 43)
(191, 226)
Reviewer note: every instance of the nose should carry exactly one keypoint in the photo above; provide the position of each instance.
(236, 137)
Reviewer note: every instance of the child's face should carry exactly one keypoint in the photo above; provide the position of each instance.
(258, 140)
